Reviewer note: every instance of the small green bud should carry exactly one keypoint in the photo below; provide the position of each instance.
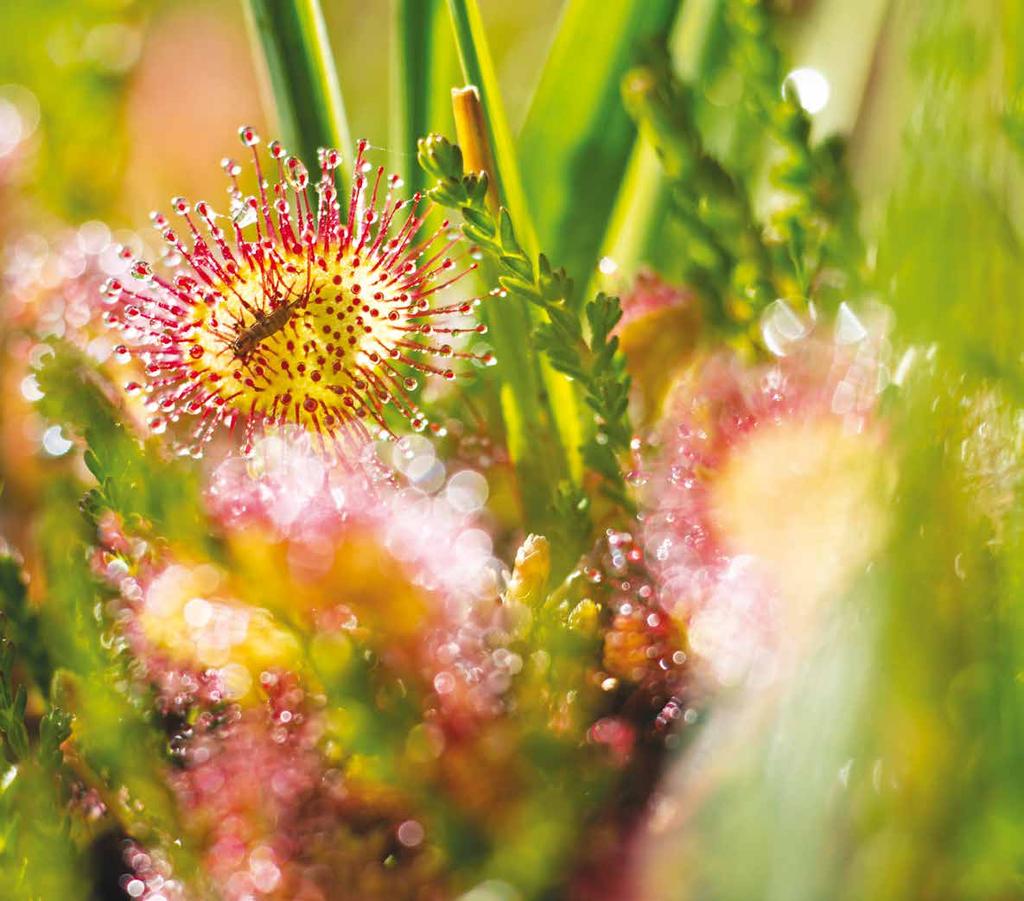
(439, 157)
(584, 617)
(530, 573)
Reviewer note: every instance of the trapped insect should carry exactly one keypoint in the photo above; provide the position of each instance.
(261, 329)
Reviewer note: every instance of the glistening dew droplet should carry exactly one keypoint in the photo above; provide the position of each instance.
(811, 87)
(848, 328)
(781, 328)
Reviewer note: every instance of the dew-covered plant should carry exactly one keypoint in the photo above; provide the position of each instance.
(623, 507)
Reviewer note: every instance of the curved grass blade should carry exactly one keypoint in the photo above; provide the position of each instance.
(291, 40)
(637, 218)
(636, 224)
(423, 69)
(536, 395)
(577, 133)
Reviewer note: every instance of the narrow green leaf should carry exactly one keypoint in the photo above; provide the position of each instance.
(697, 40)
(23, 622)
(423, 69)
(291, 42)
(535, 396)
(577, 134)
(637, 224)
(560, 396)
(478, 220)
(638, 216)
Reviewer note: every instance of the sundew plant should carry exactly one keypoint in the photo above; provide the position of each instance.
(559, 450)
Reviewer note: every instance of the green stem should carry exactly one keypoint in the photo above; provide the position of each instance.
(577, 134)
(424, 66)
(541, 408)
(412, 44)
(635, 228)
(292, 49)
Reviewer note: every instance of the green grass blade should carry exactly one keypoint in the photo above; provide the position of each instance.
(535, 396)
(637, 218)
(577, 134)
(291, 40)
(637, 222)
(423, 69)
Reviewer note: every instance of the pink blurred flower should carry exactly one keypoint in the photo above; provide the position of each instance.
(651, 295)
(658, 332)
(420, 521)
(47, 290)
(245, 777)
(760, 499)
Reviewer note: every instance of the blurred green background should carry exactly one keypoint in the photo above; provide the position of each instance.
(139, 100)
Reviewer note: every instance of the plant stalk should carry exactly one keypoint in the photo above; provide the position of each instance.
(293, 53)
(542, 412)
